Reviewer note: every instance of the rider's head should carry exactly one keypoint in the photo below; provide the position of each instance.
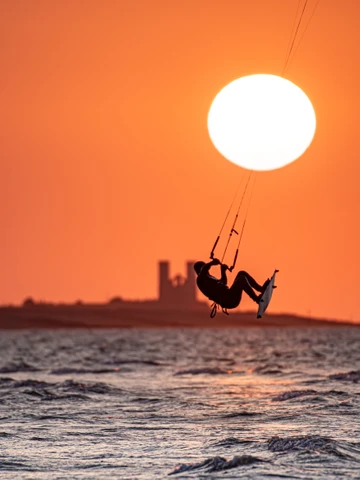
(198, 266)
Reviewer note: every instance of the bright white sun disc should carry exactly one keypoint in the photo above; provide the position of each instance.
(261, 122)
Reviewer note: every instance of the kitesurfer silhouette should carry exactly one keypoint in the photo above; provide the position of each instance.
(217, 290)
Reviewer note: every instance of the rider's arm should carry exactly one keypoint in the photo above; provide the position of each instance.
(206, 268)
(223, 278)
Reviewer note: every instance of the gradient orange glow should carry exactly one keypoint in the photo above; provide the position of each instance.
(107, 165)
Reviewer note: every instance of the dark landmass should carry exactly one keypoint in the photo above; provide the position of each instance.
(144, 315)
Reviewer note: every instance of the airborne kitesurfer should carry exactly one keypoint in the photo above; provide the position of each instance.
(217, 290)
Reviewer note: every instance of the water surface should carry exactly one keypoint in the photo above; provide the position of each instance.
(151, 404)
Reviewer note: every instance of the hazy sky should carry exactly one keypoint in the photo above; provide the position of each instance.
(106, 162)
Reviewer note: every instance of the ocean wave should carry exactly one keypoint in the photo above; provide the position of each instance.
(229, 361)
(68, 389)
(37, 393)
(46, 395)
(42, 439)
(313, 443)
(31, 384)
(267, 369)
(353, 376)
(61, 416)
(153, 363)
(4, 381)
(316, 395)
(73, 397)
(14, 466)
(293, 394)
(148, 400)
(240, 414)
(217, 464)
(80, 371)
(204, 371)
(19, 367)
(98, 387)
(230, 442)
(307, 442)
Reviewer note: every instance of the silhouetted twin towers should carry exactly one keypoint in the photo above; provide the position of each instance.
(178, 290)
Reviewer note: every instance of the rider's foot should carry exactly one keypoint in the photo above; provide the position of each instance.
(266, 283)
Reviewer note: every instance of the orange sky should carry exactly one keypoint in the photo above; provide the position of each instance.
(107, 166)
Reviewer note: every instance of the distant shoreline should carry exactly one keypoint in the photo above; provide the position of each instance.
(105, 316)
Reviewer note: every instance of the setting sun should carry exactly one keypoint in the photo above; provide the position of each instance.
(261, 122)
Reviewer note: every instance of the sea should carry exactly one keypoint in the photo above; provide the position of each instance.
(247, 403)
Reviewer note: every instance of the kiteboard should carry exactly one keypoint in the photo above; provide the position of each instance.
(266, 296)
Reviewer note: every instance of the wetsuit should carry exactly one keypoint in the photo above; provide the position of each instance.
(218, 291)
